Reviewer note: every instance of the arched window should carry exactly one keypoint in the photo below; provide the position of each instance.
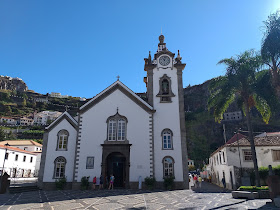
(59, 167)
(167, 142)
(168, 167)
(62, 140)
(116, 128)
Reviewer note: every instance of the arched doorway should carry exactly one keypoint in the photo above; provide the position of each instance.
(116, 165)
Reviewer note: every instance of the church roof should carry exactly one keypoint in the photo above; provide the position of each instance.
(124, 89)
(66, 116)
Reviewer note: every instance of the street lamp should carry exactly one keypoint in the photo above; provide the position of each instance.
(2, 173)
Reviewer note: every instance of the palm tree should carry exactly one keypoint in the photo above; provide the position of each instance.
(270, 49)
(240, 83)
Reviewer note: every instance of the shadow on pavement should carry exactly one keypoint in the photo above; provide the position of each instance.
(269, 205)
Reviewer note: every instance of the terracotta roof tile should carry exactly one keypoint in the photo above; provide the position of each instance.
(21, 143)
(236, 137)
(17, 149)
(259, 141)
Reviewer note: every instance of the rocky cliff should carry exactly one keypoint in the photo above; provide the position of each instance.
(13, 84)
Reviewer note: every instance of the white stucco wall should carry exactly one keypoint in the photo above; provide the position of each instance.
(30, 148)
(222, 165)
(19, 164)
(52, 154)
(94, 133)
(264, 156)
(167, 116)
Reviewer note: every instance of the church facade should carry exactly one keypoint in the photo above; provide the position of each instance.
(118, 132)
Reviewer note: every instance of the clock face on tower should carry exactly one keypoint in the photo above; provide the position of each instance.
(164, 60)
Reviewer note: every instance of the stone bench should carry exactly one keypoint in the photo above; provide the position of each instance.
(245, 194)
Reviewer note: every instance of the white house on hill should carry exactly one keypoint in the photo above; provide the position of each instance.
(119, 133)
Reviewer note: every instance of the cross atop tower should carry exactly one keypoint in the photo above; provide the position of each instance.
(118, 78)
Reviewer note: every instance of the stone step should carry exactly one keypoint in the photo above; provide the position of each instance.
(23, 189)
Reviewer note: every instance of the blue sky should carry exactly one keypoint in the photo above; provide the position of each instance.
(79, 47)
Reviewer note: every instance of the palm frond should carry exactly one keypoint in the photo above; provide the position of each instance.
(263, 107)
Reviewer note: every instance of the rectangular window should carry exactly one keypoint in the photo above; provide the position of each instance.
(64, 142)
(24, 158)
(16, 158)
(121, 130)
(59, 173)
(112, 130)
(25, 148)
(90, 163)
(31, 159)
(6, 156)
(276, 155)
(247, 155)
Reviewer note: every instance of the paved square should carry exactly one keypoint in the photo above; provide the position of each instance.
(127, 199)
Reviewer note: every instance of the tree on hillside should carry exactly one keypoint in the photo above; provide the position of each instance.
(8, 110)
(270, 49)
(242, 82)
(24, 102)
(2, 134)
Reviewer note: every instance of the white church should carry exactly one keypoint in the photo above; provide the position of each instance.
(118, 132)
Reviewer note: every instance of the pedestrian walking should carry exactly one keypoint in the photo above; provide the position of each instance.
(101, 182)
(195, 181)
(199, 181)
(97, 182)
(224, 182)
(210, 179)
(112, 179)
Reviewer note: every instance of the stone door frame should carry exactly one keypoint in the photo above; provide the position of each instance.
(108, 149)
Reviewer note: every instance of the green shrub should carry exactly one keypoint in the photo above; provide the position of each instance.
(84, 182)
(169, 182)
(276, 170)
(253, 188)
(263, 171)
(60, 183)
(150, 182)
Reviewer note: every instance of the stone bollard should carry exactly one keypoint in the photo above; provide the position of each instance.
(273, 182)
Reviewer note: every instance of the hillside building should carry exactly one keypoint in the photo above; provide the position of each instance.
(8, 121)
(22, 158)
(43, 117)
(233, 116)
(235, 157)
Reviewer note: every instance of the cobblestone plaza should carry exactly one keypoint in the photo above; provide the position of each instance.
(128, 199)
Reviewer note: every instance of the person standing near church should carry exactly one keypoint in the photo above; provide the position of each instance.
(101, 182)
(195, 181)
(112, 179)
(199, 181)
(93, 183)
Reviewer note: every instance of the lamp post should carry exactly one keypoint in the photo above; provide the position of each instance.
(2, 173)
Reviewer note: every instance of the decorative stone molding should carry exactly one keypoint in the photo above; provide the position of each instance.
(165, 95)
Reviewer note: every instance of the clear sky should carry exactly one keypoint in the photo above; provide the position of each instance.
(79, 47)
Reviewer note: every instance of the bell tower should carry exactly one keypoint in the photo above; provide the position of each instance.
(165, 94)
